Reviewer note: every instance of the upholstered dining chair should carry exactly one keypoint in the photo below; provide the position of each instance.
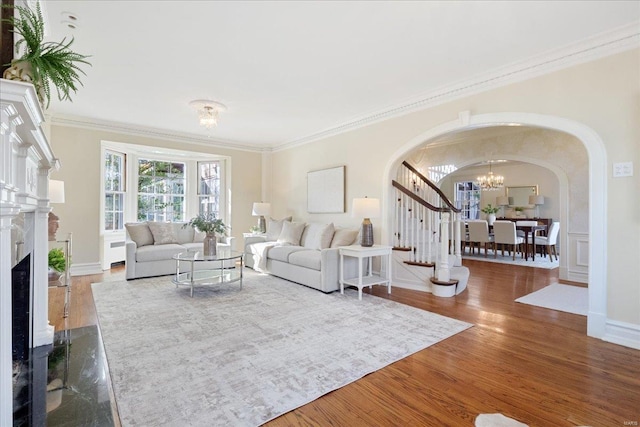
(526, 224)
(464, 236)
(479, 233)
(504, 233)
(548, 242)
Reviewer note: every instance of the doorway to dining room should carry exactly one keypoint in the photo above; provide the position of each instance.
(562, 146)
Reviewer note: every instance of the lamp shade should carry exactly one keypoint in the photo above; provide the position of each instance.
(56, 191)
(261, 209)
(536, 200)
(365, 208)
(502, 201)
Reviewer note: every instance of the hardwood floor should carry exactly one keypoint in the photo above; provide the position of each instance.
(529, 363)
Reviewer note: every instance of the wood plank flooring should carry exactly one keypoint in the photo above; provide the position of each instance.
(528, 363)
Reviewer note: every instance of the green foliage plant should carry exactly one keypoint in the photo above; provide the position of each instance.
(208, 223)
(57, 260)
(52, 63)
(490, 209)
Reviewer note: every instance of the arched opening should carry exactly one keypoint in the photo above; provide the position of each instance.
(596, 195)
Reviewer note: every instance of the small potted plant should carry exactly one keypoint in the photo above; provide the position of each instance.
(519, 210)
(57, 263)
(491, 213)
(43, 63)
(212, 226)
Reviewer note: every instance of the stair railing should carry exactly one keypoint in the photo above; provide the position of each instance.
(424, 215)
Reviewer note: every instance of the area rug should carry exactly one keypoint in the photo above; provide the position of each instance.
(567, 298)
(234, 357)
(539, 262)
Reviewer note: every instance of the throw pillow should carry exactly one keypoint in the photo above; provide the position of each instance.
(140, 233)
(274, 228)
(317, 236)
(344, 237)
(291, 233)
(162, 233)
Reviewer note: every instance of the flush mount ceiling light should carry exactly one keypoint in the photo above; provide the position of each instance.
(207, 111)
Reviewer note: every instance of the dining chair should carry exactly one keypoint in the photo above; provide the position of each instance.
(464, 236)
(479, 233)
(504, 233)
(548, 242)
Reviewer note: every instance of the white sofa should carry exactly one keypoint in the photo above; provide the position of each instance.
(150, 247)
(307, 255)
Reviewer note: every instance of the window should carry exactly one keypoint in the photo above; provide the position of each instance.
(114, 190)
(209, 187)
(161, 190)
(467, 197)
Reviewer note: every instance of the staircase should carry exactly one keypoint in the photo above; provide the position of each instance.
(426, 237)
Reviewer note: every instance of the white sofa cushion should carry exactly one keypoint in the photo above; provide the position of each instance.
(193, 247)
(344, 237)
(183, 234)
(317, 236)
(163, 233)
(158, 252)
(306, 258)
(282, 253)
(291, 233)
(140, 233)
(274, 228)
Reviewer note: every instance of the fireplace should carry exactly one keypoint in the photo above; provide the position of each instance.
(21, 309)
(26, 159)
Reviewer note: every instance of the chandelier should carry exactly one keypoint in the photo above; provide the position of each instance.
(490, 181)
(207, 111)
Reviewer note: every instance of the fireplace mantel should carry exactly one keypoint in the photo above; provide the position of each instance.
(26, 160)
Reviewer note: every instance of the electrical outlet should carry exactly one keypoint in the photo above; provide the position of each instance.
(622, 169)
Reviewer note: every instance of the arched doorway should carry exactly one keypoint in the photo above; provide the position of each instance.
(596, 318)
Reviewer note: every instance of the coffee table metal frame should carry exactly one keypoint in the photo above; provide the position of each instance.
(223, 269)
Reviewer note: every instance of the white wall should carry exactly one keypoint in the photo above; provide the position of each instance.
(602, 95)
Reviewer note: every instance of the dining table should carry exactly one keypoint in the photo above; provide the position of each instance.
(528, 229)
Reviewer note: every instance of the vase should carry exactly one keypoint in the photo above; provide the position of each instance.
(491, 218)
(209, 244)
(22, 71)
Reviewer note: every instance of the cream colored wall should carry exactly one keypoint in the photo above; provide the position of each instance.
(602, 95)
(79, 152)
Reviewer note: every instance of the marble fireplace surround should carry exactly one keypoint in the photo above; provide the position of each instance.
(25, 162)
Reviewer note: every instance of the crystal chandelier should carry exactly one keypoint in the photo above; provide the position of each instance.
(207, 111)
(490, 181)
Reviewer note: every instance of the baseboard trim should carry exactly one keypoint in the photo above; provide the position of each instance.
(86, 269)
(622, 333)
(577, 276)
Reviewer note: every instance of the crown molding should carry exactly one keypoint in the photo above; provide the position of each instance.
(149, 132)
(599, 46)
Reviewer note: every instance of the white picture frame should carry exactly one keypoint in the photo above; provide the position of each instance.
(325, 190)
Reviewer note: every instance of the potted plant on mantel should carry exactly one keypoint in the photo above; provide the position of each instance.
(491, 213)
(213, 227)
(43, 63)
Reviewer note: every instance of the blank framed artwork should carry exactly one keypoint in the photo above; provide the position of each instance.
(325, 190)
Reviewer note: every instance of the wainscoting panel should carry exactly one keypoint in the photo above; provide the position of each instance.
(578, 260)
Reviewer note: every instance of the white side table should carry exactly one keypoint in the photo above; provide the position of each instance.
(370, 279)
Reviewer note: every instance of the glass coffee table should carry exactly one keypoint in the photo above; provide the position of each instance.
(194, 269)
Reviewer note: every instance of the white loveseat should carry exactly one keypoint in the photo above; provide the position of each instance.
(150, 247)
(302, 253)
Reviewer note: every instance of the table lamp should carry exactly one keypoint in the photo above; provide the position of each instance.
(366, 208)
(56, 195)
(537, 201)
(502, 201)
(260, 210)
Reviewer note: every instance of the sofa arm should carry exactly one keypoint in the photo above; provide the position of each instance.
(130, 259)
(254, 239)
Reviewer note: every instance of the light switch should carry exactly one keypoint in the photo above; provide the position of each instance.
(622, 169)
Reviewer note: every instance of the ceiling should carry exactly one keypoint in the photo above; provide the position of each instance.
(291, 72)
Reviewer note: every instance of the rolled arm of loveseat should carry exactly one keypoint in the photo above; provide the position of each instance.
(130, 259)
